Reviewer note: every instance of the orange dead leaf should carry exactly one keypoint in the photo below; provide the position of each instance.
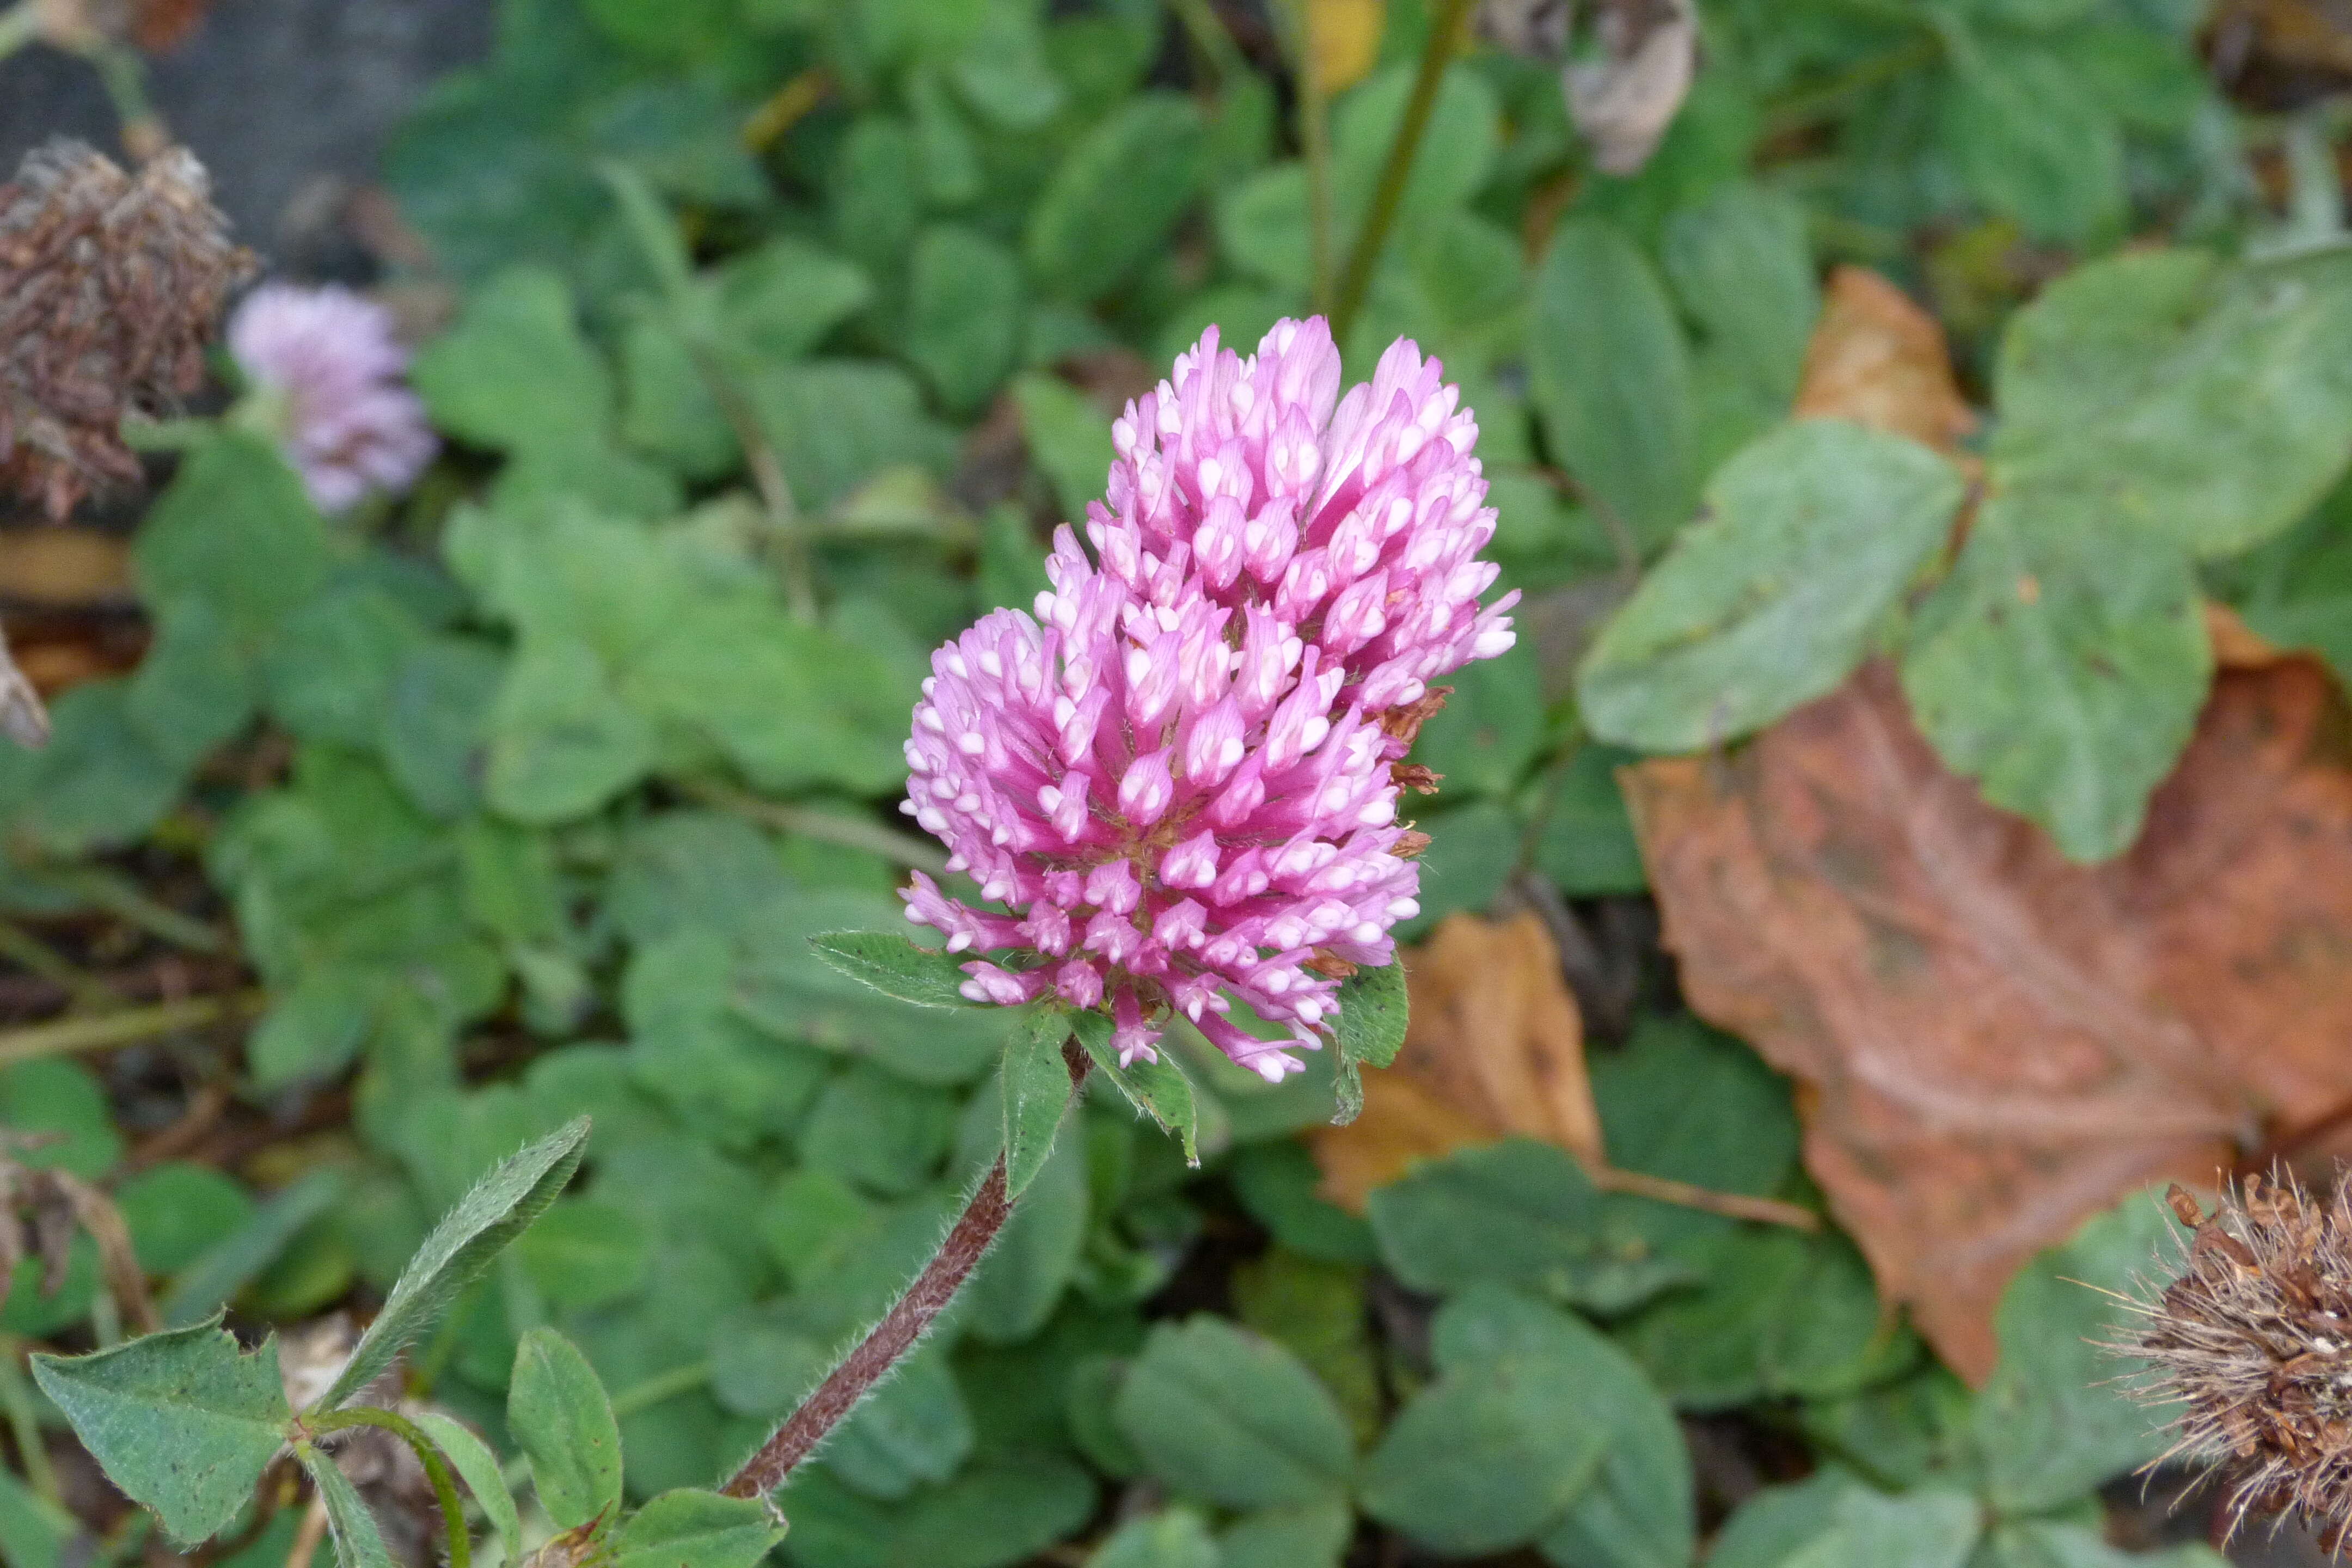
(1879, 359)
(1994, 1042)
(2237, 646)
(1495, 1049)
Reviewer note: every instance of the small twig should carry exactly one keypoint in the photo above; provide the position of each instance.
(24, 1422)
(786, 106)
(119, 896)
(206, 1107)
(126, 1281)
(1738, 1206)
(29, 951)
(849, 832)
(107, 1030)
(1444, 32)
(312, 1531)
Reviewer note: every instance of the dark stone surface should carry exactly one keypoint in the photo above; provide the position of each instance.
(289, 103)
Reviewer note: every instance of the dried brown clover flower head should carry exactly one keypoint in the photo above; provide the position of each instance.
(110, 287)
(2254, 1339)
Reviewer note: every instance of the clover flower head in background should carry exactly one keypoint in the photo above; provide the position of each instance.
(2253, 1344)
(1178, 782)
(111, 285)
(329, 364)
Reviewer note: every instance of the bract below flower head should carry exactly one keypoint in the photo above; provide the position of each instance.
(1176, 783)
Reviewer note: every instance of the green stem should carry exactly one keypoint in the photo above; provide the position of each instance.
(429, 1454)
(660, 1387)
(1212, 37)
(1445, 29)
(21, 947)
(119, 896)
(849, 832)
(106, 1030)
(25, 1423)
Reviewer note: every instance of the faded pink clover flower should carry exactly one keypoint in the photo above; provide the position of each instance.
(1179, 781)
(343, 416)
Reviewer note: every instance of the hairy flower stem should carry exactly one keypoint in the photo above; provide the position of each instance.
(1444, 33)
(901, 1329)
(429, 1454)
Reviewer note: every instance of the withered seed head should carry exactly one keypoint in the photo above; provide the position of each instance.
(110, 286)
(2254, 1341)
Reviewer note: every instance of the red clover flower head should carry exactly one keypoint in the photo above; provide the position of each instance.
(1178, 782)
(347, 422)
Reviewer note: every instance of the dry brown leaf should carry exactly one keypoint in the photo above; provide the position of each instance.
(1624, 100)
(1494, 1048)
(2237, 646)
(1879, 359)
(63, 566)
(1993, 1042)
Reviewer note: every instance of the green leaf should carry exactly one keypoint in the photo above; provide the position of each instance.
(175, 1211)
(182, 1421)
(235, 1261)
(963, 314)
(2054, 1422)
(585, 1252)
(34, 1531)
(1612, 377)
(1831, 1521)
(563, 1422)
(2062, 664)
(515, 373)
(1310, 1535)
(1369, 1029)
(996, 1512)
(689, 1528)
(894, 966)
(1035, 1088)
(1067, 438)
(1156, 1088)
(1777, 1313)
(1742, 268)
(1491, 1456)
(472, 1460)
(1811, 535)
(1518, 1212)
(1638, 1511)
(835, 423)
(236, 531)
(2047, 1543)
(1277, 1182)
(501, 1206)
(1488, 733)
(1317, 1311)
(2031, 143)
(2164, 392)
(780, 300)
(1222, 1415)
(358, 1542)
(562, 742)
(1116, 194)
(912, 1430)
(1176, 1538)
(51, 1095)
